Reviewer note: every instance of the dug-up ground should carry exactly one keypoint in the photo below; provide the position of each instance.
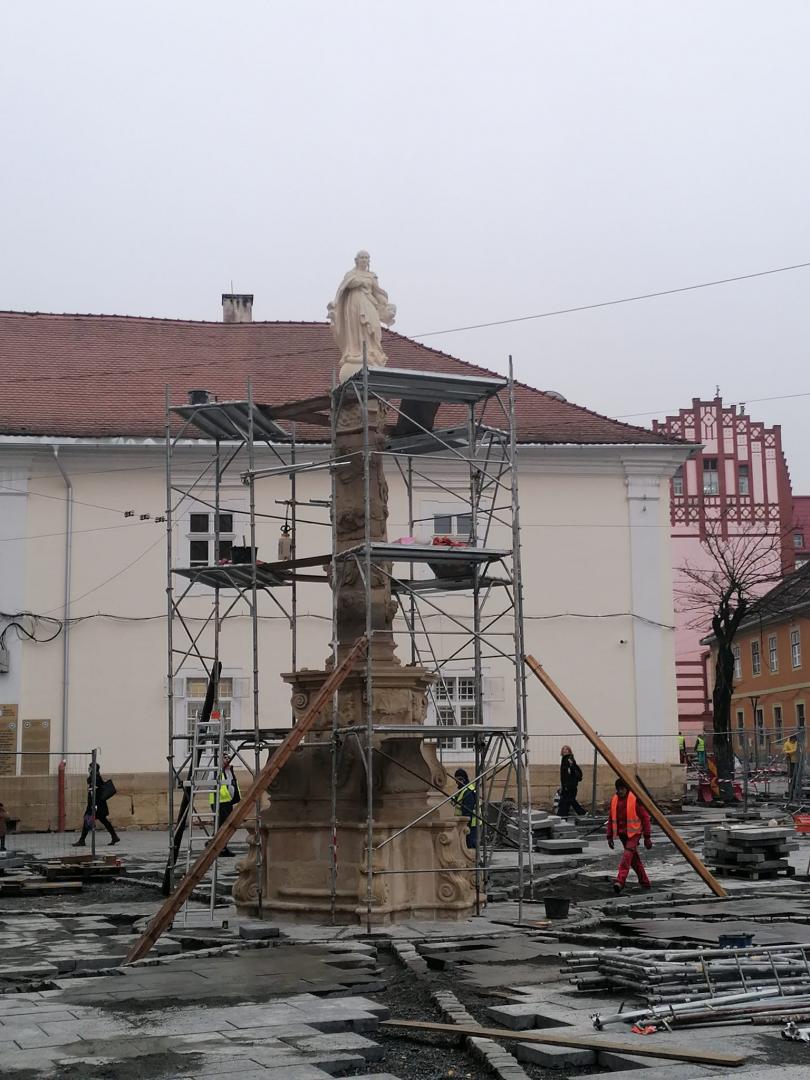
(635, 986)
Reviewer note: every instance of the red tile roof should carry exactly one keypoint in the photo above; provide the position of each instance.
(105, 375)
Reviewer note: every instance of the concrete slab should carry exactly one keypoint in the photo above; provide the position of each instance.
(554, 1057)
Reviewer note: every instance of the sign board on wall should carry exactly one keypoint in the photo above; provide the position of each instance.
(35, 744)
(8, 740)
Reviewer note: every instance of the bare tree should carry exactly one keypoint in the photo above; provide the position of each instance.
(742, 567)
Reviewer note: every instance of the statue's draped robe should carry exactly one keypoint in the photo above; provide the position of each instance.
(357, 310)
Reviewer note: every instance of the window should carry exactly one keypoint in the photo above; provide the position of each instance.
(760, 724)
(711, 483)
(795, 649)
(756, 661)
(800, 714)
(798, 540)
(773, 656)
(453, 525)
(677, 481)
(201, 537)
(195, 699)
(455, 705)
(743, 480)
(777, 722)
(740, 720)
(737, 661)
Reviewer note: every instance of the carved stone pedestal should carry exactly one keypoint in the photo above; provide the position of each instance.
(297, 830)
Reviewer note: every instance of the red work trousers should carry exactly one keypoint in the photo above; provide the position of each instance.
(631, 858)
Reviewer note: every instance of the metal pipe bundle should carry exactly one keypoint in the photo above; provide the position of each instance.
(682, 976)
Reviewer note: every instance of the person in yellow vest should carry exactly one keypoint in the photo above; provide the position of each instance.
(682, 749)
(791, 749)
(464, 802)
(630, 822)
(229, 796)
(700, 751)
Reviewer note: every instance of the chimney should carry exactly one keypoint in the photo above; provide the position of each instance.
(237, 307)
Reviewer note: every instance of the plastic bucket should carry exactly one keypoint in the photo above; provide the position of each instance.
(557, 907)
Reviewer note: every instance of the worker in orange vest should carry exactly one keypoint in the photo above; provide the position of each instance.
(630, 822)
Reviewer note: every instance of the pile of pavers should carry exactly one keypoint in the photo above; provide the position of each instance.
(752, 851)
(551, 834)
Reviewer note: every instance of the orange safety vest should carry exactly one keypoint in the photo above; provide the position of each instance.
(633, 820)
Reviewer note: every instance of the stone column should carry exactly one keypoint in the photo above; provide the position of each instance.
(296, 829)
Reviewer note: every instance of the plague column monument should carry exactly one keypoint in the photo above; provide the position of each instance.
(308, 873)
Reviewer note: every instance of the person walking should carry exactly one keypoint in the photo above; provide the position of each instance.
(4, 815)
(629, 821)
(99, 812)
(229, 796)
(570, 778)
(464, 801)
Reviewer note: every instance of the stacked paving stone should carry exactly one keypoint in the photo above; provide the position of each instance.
(752, 851)
(491, 1054)
(549, 833)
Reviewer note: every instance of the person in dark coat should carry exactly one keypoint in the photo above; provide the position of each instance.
(464, 802)
(570, 777)
(101, 812)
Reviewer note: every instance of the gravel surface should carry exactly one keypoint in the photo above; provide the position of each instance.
(426, 1056)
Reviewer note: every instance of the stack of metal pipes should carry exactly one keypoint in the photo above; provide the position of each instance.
(683, 975)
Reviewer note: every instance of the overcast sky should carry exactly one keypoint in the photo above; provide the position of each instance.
(498, 159)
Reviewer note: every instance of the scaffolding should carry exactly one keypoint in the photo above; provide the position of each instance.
(472, 592)
(231, 578)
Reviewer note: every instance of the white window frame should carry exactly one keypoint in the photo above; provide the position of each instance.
(773, 653)
(796, 648)
(678, 481)
(209, 536)
(737, 654)
(756, 657)
(714, 472)
(455, 531)
(743, 479)
(491, 690)
(240, 689)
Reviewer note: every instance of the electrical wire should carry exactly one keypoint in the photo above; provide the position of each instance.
(22, 631)
(112, 577)
(726, 405)
(613, 303)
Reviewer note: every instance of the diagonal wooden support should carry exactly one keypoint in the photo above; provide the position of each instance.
(166, 913)
(633, 784)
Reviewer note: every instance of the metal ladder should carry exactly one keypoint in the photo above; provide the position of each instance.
(205, 768)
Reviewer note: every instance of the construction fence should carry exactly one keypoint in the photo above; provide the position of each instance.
(45, 797)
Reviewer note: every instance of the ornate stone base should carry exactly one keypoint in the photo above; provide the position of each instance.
(296, 831)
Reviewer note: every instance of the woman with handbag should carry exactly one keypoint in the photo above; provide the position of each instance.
(104, 789)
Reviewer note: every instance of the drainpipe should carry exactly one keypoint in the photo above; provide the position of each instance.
(66, 614)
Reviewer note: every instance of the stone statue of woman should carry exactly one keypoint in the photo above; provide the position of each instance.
(357, 313)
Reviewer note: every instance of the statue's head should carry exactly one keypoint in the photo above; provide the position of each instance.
(362, 260)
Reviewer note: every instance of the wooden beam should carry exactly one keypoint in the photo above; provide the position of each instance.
(167, 911)
(640, 1048)
(633, 784)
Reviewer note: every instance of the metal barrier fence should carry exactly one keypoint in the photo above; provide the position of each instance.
(45, 798)
(630, 749)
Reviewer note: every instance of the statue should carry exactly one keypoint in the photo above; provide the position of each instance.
(357, 313)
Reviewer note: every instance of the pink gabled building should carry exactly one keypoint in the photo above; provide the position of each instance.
(801, 529)
(739, 479)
